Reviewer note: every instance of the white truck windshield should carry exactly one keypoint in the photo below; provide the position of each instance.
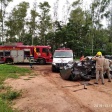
(63, 54)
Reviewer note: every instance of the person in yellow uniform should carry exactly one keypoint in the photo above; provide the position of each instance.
(107, 63)
(99, 66)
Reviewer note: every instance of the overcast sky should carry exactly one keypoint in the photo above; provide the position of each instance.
(61, 10)
(51, 3)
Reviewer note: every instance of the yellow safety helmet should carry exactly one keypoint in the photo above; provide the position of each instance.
(99, 53)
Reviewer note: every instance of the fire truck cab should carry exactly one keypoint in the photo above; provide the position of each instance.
(19, 53)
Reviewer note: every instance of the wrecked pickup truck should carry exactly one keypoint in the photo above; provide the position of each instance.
(80, 70)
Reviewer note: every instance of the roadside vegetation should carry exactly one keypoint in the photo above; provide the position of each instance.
(10, 71)
(6, 93)
(82, 27)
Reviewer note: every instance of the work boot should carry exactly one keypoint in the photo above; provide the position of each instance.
(95, 82)
(103, 83)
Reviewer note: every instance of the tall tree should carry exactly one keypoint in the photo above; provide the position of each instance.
(66, 11)
(44, 21)
(4, 4)
(55, 12)
(16, 21)
(32, 23)
(99, 10)
(77, 26)
(110, 28)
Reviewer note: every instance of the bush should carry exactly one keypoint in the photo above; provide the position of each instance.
(10, 95)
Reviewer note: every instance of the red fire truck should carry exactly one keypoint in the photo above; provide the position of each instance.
(19, 53)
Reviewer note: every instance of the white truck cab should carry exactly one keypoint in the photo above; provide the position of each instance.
(60, 58)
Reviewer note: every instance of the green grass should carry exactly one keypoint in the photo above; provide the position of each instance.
(6, 98)
(6, 94)
(10, 95)
(4, 106)
(11, 71)
(2, 86)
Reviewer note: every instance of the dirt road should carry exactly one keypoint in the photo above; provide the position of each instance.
(45, 91)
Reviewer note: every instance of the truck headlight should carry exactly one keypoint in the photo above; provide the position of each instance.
(53, 63)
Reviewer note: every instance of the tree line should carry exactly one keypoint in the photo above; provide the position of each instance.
(82, 31)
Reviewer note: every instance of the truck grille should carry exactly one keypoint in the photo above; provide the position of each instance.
(61, 64)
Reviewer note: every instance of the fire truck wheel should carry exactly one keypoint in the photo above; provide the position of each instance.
(9, 61)
(42, 62)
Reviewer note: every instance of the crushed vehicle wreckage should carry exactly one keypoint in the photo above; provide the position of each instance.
(77, 70)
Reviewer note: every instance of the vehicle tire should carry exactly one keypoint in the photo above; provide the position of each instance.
(9, 61)
(85, 77)
(74, 77)
(42, 62)
(53, 69)
(65, 74)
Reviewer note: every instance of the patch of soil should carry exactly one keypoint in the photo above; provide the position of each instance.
(48, 92)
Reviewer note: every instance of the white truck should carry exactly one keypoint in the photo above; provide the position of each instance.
(60, 58)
